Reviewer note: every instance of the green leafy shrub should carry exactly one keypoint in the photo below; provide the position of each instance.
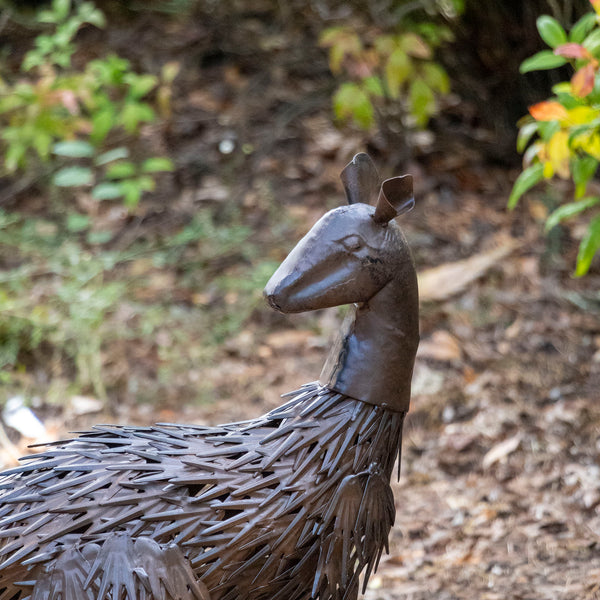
(388, 70)
(110, 173)
(58, 115)
(70, 314)
(68, 305)
(561, 136)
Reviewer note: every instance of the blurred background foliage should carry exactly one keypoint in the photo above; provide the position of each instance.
(152, 153)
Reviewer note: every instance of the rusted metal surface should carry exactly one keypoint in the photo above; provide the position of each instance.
(293, 505)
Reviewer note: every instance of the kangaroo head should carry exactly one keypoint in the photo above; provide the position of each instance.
(352, 252)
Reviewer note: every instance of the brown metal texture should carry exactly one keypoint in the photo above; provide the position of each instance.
(293, 505)
(358, 255)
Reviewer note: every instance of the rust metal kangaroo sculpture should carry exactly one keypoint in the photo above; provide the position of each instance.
(293, 505)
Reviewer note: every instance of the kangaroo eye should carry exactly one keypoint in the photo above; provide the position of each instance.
(352, 243)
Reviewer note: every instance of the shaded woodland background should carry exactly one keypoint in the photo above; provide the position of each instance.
(162, 319)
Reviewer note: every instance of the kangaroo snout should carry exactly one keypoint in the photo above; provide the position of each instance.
(272, 301)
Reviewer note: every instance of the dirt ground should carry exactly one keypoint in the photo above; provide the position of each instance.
(499, 496)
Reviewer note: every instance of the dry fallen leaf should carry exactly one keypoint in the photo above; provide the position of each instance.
(501, 450)
(288, 339)
(205, 100)
(442, 345)
(84, 405)
(442, 282)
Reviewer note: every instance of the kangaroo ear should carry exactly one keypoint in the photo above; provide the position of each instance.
(395, 198)
(360, 179)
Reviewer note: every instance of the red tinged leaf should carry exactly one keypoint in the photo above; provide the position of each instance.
(548, 111)
(572, 50)
(583, 80)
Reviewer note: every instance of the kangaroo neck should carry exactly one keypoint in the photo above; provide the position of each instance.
(372, 359)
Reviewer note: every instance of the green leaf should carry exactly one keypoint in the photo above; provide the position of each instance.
(562, 88)
(435, 34)
(140, 85)
(121, 170)
(415, 45)
(363, 112)
(46, 16)
(132, 193)
(331, 35)
(15, 156)
(593, 99)
(578, 130)
(73, 149)
(61, 9)
(567, 211)
(44, 43)
(569, 101)
(157, 164)
(146, 183)
(110, 155)
(32, 59)
(590, 244)
(73, 177)
(546, 59)
(63, 58)
(88, 13)
(336, 58)
(99, 237)
(583, 169)
(12, 99)
(373, 86)
(135, 113)
(77, 223)
(551, 31)
(459, 6)
(42, 141)
(169, 71)
(526, 180)
(547, 129)
(342, 42)
(592, 42)
(102, 122)
(64, 34)
(582, 28)
(422, 101)
(525, 134)
(436, 77)
(109, 70)
(397, 70)
(350, 101)
(107, 191)
(385, 44)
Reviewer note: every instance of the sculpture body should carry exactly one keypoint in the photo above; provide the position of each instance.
(293, 505)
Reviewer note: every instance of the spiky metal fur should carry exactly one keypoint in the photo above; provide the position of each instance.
(290, 506)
